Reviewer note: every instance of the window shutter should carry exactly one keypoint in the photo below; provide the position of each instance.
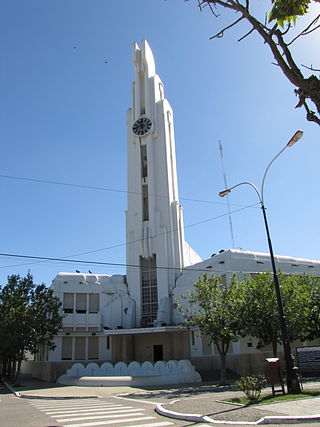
(66, 348)
(93, 348)
(80, 348)
(81, 303)
(93, 303)
(68, 302)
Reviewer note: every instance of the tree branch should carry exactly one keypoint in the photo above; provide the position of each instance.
(221, 33)
(311, 115)
(306, 30)
(310, 68)
(246, 35)
(307, 88)
(288, 55)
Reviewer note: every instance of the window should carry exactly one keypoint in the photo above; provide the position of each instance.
(66, 348)
(80, 348)
(68, 303)
(93, 348)
(144, 161)
(93, 303)
(149, 290)
(108, 342)
(81, 303)
(145, 203)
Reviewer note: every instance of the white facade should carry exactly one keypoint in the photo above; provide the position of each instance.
(242, 263)
(133, 317)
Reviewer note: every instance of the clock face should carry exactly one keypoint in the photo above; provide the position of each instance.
(142, 126)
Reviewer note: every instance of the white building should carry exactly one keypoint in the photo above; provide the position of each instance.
(133, 317)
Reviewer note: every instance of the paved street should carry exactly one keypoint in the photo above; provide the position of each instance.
(109, 411)
(15, 412)
(51, 405)
(99, 412)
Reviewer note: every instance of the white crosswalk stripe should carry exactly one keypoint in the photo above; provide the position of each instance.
(93, 412)
(88, 411)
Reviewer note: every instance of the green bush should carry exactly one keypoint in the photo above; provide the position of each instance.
(251, 386)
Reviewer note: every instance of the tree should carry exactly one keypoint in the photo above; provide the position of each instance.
(261, 316)
(216, 309)
(29, 316)
(277, 33)
(312, 330)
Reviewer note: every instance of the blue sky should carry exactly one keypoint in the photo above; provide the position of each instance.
(65, 84)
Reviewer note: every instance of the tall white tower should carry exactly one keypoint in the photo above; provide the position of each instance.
(156, 251)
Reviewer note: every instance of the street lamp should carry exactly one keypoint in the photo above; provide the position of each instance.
(293, 383)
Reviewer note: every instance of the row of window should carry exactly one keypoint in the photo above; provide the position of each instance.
(81, 303)
(80, 348)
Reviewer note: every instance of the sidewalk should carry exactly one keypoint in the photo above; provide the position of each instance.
(191, 403)
(211, 409)
(34, 388)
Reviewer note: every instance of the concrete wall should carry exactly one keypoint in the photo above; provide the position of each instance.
(50, 371)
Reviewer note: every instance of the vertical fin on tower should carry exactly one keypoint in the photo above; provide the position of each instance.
(136, 56)
(148, 59)
(143, 59)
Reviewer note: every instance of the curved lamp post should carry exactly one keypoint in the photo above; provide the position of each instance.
(293, 384)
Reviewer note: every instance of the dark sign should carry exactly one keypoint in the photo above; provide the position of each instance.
(308, 357)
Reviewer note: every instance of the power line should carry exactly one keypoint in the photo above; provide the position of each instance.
(128, 243)
(121, 264)
(93, 187)
(77, 261)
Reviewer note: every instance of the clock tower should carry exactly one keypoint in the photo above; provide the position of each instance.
(156, 250)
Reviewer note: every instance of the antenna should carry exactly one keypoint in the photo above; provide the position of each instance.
(226, 186)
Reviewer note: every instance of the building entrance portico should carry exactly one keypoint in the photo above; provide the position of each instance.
(172, 343)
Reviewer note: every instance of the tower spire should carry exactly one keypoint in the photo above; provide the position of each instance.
(154, 216)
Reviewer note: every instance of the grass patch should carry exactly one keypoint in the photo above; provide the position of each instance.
(269, 398)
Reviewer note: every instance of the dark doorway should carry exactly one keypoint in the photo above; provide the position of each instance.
(157, 353)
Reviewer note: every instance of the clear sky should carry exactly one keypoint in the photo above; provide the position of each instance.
(65, 86)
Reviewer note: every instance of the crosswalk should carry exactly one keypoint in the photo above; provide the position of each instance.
(94, 412)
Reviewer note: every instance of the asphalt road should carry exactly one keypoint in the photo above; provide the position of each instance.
(106, 411)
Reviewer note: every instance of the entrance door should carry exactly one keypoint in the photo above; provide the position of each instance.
(157, 353)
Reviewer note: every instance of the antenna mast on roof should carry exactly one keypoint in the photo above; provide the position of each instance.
(226, 186)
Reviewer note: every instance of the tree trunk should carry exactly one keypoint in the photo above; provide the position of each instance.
(9, 365)
(5, 368)
(18, 367)
(275, 348)
(223, 375)
(17, 373)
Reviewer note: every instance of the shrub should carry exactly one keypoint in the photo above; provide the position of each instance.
(251, 386)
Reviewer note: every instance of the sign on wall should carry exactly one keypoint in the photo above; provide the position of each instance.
(308, 357)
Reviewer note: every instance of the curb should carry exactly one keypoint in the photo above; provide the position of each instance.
(204, 418)
(11, 389)
(288, 419)
(177, 391)
(187, 417)
(30, 396)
